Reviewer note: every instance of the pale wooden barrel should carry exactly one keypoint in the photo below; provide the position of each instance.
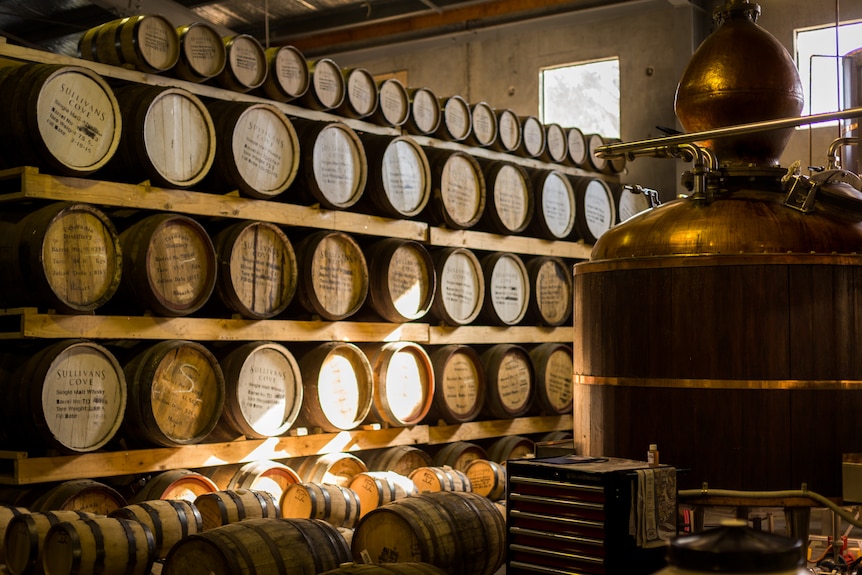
(459, 454)
(331, 468)
(168, 265)
(63, 119)
(401, 459)
(458, 189)
(577, 146)
(597, 210)
(262, 546)
(399, 176)
(64, 255)
(288, 77)
(256, 268)
(69, 396)
(553, 363)
(509, 199)
(594, 162)
(7, 513)
(336, 504)
(509, 134)
(440, 478)
(511, 447)
(425, 112)
(334, 168)
(332, 275)
(459, 391)
(202, 52)
(360, 93)
(507, 289)
(245, 64)
(176, 393)
(80, 495)
(25, 534)
(327, 90)
(550, 289)
(272, 477)
(510, 381)
(145, 42)
(533, 143)
(229, 506)
(257, 149)
(169, 521)
(377, 488)
(98, 545)
(556, 144)
(393, 108)
(263, 391)
(403, 383)
(158, 121)
(456, 122)
(632, 201)
(179, 484)
(338, 387)
(484, 125)
(402, 279)
(411, 568)
(556, 207)
(460, 286)
(487, 478)
(460, 532)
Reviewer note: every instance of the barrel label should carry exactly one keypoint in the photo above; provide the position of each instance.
(511, 197)
(177, 122)
(426, 111)
(460, 190)
(558, 205)
(338, 389)
(204, 50)
(76, 119)
(339, 276)
(261, 268)
(460, 286)
(460, 385)
(245, 61)
(362, 92)
(509, 289)
(267, 390)
(177, 262)
(291, 71)
(510, 131)
(336, 165)
(552, 292)
(534, 137)
(558, 380)
(598, 208)
(393, 103)
(456, 116)
(484, 125)
(263, 149)
(327, 83)
(79, 258)
(408, 281)
(404, 180)
(514, 381)
(183, 393)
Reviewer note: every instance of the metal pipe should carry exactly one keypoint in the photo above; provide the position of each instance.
(620, 149)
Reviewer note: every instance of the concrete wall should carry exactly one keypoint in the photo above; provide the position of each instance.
(653, 39)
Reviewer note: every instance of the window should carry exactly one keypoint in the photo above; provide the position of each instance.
(585, 95)
(820, 70)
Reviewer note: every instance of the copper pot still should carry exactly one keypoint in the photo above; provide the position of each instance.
(740, 74)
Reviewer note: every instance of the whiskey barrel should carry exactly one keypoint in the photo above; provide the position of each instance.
(425, 113)
(511, 447)
(402, 279)
(288, 77)
(168, 265)
(98, 545)
(7, 513)
(394, 106)
(176, 393)
(510, 381)
(180, 484)
(338, 387)
(401, 459)
(335, 468)
(202, 52)
(577, 144)
(157, 122)
(296, 546)
(65, 256)
(332, 275)
(459, 454)
(69, 396)
(440, 478)
(597, 209)
(458, 189)
(256, 269)
(550, 289)
(144, 42)
(169, 521)
(595, 162)
(507, 288)
(337, 505)
(460, 532)
(487, 478)
(257, 149)
(378, 488)
(80, 495)
(232, 505)
(25, 534)
(360, 93)
(509, 201)
(459, 384)
(460, 286)
(509, 133)
(334, 167)
(327, 90)
(399, 176)
(411, 568)
(62, 119)
(556, 207)
(245, 64)
(457, 121)
(484, 125)
(632, 200)
(263, 390)
(533, 143)
(556, 144)
(403, 385)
